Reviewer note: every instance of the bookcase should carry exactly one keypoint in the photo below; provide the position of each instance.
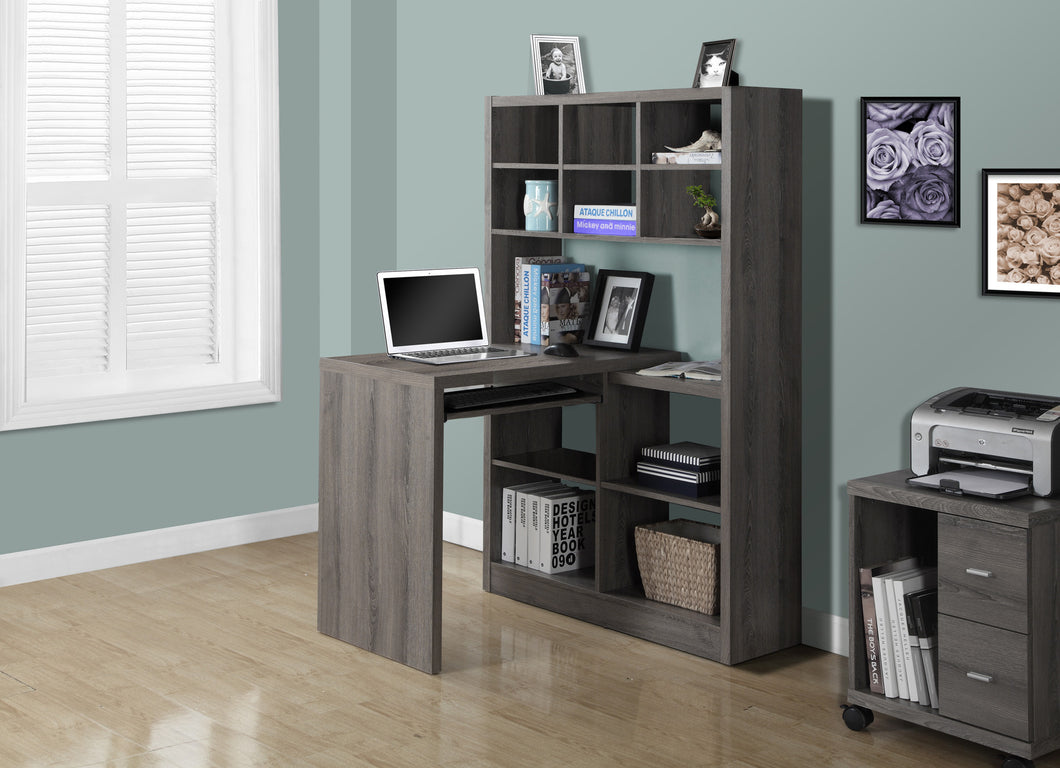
(998, 619)
(598, 148)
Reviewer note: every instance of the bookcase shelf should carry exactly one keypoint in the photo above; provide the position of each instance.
(598, 149)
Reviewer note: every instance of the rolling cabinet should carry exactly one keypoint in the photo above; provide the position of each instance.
(998, 570)
(598, 148)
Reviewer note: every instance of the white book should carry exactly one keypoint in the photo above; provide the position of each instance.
(533, 517)
(569, 538)
(508, 519)
(911, 581)
(894, 638)
(522, 524)
(883, 624)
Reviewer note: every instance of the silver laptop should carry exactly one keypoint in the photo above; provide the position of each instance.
(436, 316)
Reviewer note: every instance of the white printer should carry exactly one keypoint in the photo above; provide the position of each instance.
(990, 432)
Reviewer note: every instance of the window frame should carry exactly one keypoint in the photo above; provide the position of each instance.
(264, 384)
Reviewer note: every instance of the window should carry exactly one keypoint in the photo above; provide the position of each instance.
(139, 208)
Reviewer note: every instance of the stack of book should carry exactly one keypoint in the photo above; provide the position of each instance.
(899, 601)
(620, 220)
(551, 301)
(687, 469)
(703, 370)
(686, 158)
(548, 526)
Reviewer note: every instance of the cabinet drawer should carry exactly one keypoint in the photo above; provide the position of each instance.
(983, 676)
(983, 572)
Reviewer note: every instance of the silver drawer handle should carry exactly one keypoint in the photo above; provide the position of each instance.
(979, 572)
(980, 677)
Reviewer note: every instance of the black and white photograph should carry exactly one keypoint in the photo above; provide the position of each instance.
(619, 309)
(556, 64)
(1021, 232)
(715, 64)
(910, 160)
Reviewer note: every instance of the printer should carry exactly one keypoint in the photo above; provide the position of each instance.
(982, 429)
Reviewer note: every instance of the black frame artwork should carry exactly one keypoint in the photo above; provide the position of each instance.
(626, 295)
(910, 161)
(725, 50)
(1021, 232)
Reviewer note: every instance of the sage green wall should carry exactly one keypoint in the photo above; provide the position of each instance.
(88, 481)
(892, 314)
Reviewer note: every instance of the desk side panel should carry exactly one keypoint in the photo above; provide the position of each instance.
(380, 517)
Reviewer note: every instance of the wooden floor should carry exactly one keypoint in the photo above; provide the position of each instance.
(214, 660)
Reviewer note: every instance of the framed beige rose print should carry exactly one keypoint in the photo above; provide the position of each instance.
(1021, 232)
(910, 161)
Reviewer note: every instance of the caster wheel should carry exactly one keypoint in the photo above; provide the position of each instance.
(1011, 761)
(858, 718)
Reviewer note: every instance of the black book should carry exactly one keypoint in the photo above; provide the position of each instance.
(683, 454)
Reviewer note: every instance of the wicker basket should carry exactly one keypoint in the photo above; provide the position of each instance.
(678, 562)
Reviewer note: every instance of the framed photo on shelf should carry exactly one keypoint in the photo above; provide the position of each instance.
(556, 64)
(619, 307)
(1021, 232)
(910, 161)
(715, 64)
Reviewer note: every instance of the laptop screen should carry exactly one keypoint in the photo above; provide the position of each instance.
(432, 309)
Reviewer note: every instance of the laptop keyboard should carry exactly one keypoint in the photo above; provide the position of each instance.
(451, 352)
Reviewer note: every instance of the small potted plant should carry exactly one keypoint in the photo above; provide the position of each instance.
(710, 224)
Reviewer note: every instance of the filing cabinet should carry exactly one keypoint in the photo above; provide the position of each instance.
(999, 609)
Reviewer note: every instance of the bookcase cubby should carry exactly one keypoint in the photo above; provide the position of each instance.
(598, 148)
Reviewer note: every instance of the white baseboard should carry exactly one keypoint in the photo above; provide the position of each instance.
(465, 531)
(825, 631)
(82, 556)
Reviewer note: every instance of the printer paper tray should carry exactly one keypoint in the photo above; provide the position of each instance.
(993, 484)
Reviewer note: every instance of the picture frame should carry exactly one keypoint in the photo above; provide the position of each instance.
(910, 161)
(619, 308)
(556, 65)
(714, 67)
(1021, 232)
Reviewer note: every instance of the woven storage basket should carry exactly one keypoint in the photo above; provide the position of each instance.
(678, 562)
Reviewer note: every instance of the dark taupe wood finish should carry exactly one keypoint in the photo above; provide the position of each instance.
(606, 141)
(380, 518)
(1004, 625)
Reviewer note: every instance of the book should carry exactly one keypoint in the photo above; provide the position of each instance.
(704, 370)
(565, 305)
(530, 301)
(535, 526)
(921, 641)
(686, 158)
(685, 482)
(870, 621)
(896, 586)
(903, 583)
(519, 261)
(522, 522)
(683, 453)
(620, 220)
(888, 670)
(508, 520)
(568, 543)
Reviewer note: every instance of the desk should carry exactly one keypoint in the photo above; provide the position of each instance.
(380, 536)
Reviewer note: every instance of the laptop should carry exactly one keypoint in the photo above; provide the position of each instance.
(436, 316)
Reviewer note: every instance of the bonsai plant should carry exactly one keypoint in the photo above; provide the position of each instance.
(709, 225)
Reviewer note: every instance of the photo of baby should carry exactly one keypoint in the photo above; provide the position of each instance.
(556, 64)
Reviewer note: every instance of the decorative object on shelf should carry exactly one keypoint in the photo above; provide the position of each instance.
(686, 158)
(715, 65)
(710, 224)
(556, 64)
(1021, 232)
(709, 141)
(540, 205)
(620, 305)
(910, 161)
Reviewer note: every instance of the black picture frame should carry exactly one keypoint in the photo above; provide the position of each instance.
(626, 295)
(910, 161)
(723, 49)
(1021, 232)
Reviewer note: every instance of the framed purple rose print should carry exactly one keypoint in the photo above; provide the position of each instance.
(910, 161)
(1021, 232)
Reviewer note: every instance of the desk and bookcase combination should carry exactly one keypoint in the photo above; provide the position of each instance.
(381, 428)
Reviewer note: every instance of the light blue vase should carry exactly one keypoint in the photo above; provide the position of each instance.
(541, 206)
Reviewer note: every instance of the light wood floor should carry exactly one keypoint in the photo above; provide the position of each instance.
(214, 660)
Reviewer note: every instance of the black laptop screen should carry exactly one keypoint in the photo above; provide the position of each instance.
(433, 309)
